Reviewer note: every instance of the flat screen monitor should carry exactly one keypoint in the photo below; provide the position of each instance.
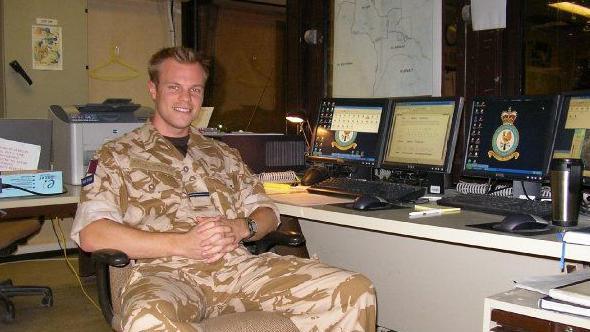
(422, 134)
(31, 131)
(573, 134)
(512, 138)
(348, 131)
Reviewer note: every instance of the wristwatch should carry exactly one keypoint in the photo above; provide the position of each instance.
(252, 227)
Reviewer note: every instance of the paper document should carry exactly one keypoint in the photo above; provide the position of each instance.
(542, 284)
(203, 117)
(306, 199)
(578, 236)
(563, 306)
(578, 293)
(16, 156)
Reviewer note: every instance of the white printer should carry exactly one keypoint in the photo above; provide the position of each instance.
(78, 131)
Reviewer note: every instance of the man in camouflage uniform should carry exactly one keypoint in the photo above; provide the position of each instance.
(180, 204)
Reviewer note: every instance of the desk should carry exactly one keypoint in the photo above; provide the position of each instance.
(431, 274)
(39, 206)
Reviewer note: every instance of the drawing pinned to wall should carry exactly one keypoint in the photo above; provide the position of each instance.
(47, 47)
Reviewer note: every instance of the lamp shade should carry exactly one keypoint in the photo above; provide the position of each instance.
(295, 117)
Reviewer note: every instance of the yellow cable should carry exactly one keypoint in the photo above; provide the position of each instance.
(63, 244)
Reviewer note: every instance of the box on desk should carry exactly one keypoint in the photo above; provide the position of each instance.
(44, 182)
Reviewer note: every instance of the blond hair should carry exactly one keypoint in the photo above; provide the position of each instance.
(179, 53)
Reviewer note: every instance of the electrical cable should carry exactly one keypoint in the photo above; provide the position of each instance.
(10, 186)
(171, 24)
(524, 191)
(61, 241)
(259, 102)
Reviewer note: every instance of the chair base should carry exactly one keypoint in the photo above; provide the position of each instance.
(8, 290)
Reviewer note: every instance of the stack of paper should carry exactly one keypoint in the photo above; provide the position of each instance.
(578, 236)
(573, 299)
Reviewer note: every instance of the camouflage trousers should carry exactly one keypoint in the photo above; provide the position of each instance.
(175, 294)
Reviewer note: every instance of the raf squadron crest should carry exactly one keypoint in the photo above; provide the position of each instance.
(344, 140)
(505, 139)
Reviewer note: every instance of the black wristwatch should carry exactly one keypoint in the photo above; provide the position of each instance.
(252, 227)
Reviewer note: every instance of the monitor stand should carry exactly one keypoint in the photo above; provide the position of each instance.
(362, 172)
(533, 189)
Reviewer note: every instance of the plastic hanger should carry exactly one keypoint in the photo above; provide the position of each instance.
(115, 60)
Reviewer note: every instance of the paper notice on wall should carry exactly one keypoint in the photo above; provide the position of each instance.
(488, 14)
(15, 156)
(47, 47)
(203, 117)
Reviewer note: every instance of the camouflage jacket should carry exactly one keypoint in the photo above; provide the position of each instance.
(143, 181)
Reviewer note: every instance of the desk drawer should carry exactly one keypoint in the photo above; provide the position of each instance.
(512, 322)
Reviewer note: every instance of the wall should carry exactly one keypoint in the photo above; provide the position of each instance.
(247, 77)
(138, 28)
(2, 111)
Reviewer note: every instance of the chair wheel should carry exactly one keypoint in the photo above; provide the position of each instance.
(47, 301)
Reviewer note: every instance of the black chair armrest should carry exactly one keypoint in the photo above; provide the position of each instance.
(279, 237)
(110, 257)
(103, 259)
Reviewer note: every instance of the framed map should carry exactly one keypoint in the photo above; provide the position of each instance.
(387, 48)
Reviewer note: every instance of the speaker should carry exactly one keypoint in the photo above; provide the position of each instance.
(268, 152)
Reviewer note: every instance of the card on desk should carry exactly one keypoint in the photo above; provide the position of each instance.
(44, 182)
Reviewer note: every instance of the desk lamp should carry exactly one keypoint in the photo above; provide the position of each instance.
(298, 117)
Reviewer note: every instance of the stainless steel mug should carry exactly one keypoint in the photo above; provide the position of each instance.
(566, 191)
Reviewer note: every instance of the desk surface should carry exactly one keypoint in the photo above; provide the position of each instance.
(450, 228)
(71, 196)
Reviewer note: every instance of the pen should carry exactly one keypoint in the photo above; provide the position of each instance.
(199, 194)
(433, 212)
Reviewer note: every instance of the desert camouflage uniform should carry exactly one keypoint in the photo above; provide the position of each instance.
(144, 182)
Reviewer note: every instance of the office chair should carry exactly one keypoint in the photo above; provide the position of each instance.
(112, 271)
(11, 234)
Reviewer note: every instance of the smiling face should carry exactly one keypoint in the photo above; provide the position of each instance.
(178, 96)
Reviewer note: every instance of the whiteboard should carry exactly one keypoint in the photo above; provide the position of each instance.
(387, 48)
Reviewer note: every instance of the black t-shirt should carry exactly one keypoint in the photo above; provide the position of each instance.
(180, 143)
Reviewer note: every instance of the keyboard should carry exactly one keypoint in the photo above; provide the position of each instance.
(502, 205)
(392, 192)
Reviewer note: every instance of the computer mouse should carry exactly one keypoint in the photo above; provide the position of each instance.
(370, 202)
(514, 223)
(314, 175)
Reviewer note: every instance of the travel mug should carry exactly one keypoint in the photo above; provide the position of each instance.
(566, 191)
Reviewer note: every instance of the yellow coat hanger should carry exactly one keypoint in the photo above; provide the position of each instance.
(128, 73)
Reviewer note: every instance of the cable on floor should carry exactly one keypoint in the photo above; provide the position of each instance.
(61, 241)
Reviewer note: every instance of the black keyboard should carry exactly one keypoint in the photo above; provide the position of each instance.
(392, 192)
(498, 204)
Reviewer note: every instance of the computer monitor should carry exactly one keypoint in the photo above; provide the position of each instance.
(422, 134)
(512, 138)
(348, 131)
(573, 134)
(31, 131)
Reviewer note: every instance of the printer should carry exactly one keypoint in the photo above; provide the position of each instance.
(79, 130)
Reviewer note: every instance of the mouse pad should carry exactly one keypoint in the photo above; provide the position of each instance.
(387, 207)
(490, 226)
